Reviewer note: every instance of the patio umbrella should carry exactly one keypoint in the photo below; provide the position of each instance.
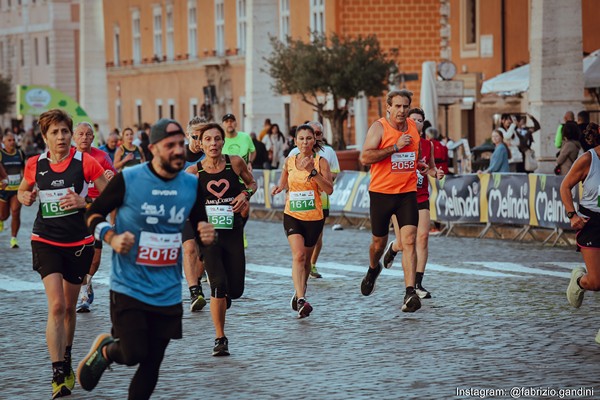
(429, 99)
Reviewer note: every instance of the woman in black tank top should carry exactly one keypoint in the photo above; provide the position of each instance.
(128, 154)
(225, 199)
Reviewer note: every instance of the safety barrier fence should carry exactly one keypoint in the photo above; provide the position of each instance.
(524, 200)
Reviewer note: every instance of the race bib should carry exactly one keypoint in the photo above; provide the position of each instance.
(13, 182)
(302, 201)
(220, 216)
(50, 203)
(403, 162)
(159, 249)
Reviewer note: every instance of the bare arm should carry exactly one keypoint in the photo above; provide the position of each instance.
(323, 178)
(576, 174)
(371, 154)
(119, 162)
(142, 156)
(282, 180)
(26, 194)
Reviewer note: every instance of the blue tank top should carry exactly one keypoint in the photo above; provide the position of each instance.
(154, 210)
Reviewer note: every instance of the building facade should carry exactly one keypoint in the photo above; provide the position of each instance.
(39, 44)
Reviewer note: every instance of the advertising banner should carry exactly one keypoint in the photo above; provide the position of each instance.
(546, 201)
(508, 199)
(456, 198)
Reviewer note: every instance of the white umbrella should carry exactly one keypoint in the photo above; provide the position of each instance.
(429, 99)
(517, 80)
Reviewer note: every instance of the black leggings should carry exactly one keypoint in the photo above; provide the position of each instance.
(143, 334)
(225, 263)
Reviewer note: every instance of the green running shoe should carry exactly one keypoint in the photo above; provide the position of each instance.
(314, 273)
(70, 379)
(13, 243)
(94, 364)
(60, 388)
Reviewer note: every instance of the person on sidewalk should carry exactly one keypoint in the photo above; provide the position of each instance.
(327, 153)
(83, 136)
(304, 176)
(422, 244)
(225, 199)
(12, 159)
(392, 148)
(586, 220)
(153, 200)
(61, 245)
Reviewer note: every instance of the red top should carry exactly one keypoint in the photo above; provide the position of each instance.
(423, 181)
(440, 154)
(105, 163)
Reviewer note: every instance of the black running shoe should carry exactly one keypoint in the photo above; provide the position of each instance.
(422, 292)
(389, 255)
(368, 283)
(221, 347)
(294, 302)
(197, 300)
(411, 302)
(92, 367)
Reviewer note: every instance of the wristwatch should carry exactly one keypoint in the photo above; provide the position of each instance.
(313, 173)
(571, 214)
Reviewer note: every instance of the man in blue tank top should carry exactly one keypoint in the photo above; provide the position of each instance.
(153, 201)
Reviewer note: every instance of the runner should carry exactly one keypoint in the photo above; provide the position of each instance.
(83, 137)
(128, 154)
(110, 147)
(586, 169)
(225, 262)
(12, 160)
(305, 175)
(392, 148)
(193, 267)
(153, 201)
(328, 153)
(417, 115)
(60, 242)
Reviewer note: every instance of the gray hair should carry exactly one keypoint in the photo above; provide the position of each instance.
(433, 132)
(316, 125)
(402, 93)
(195, 124)
(84, 123)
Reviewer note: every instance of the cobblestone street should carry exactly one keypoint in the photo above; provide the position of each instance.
(498, 319)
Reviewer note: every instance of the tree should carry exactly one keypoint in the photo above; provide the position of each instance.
(6, 95)
(330, 71)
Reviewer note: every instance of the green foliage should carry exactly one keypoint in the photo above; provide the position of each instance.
(5, 95)
(340, 67)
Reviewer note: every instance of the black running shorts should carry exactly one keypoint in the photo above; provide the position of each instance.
(310, 230)
(72, 262)
(133, 318)
(424, 205)
(383, 206)
(589, 235)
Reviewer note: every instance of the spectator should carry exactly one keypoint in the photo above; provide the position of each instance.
(261, 160)
(266, 129)
(440, 152)
(583, 120)
(508, 128)
(569, 151)
(276, 145)
(558, 139)
(501, 154)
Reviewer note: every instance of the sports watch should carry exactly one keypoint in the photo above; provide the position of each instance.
(313, 173)
(571, 214)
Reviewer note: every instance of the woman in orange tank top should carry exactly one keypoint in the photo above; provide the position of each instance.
(304, 176)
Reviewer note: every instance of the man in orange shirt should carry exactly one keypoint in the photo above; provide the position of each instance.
(392, 149)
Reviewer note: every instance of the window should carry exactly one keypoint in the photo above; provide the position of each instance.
(317, 16)
(193, 107)
(2, 56)
(116, 47)
(159, 108)
(469, 28)
(158, 36)
(171, 103)
(138, 106)
(22, 42)
(137, 37)
(192, 30)
(35, 52)
(118, 113)
(284, 19)
(220, 27)
(241, 25)
(47, 40)
(170, 43)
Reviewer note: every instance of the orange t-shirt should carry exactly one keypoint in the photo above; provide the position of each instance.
(303, 200)
(397, 173)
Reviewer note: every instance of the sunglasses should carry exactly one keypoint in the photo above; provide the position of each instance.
(195, 137)
(318, 133)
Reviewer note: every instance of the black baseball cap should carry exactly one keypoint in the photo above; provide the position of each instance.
(228, 116)
(159, 132)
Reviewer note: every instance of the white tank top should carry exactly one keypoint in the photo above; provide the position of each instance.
(591, 185)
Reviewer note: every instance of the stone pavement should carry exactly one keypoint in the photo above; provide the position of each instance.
(498, 319)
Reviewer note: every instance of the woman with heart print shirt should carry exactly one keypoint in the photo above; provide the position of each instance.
(305, 175)
(225, 262)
